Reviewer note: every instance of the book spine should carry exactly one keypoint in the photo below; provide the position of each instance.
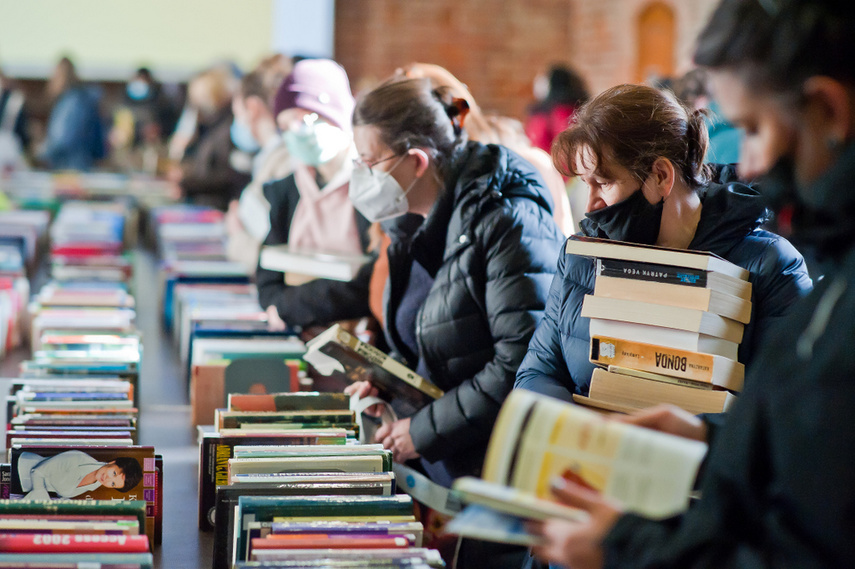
(684, 364)
(72, 543)
(5, 480)
(651, 272)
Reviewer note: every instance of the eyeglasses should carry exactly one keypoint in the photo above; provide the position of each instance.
(359, 162)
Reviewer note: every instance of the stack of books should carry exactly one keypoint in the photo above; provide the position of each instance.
(226, 360)
(282, 478)
(187, 232)
(665, 327)
(87, 242)
(538, 439)
(22, 238)
(74, 533)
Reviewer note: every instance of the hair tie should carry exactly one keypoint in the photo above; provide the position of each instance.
(457, 113)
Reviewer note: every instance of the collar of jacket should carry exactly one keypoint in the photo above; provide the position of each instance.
(481, 176)
(730, 212)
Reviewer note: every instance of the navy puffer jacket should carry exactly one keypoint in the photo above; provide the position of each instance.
(557, 360)
(490, 244)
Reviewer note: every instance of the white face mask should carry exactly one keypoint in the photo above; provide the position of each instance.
(377, 195)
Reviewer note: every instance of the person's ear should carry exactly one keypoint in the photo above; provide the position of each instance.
(830, 103)
(423, 160)
(660, 182)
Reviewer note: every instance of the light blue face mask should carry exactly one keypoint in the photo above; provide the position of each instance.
(315, 142)
(242, 137)
(137, 90)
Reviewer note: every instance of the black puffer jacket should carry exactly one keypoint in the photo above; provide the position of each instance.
(557, 360)
(490, 244)
(318, 302)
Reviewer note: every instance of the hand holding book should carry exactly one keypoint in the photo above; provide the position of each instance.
(576, 544)
(668, 419)
(396, 437)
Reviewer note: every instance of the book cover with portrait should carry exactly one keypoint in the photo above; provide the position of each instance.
(86, 473)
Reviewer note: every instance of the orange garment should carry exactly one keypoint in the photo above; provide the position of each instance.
(377, 284)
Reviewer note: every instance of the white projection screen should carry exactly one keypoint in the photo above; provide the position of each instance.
(108, 39)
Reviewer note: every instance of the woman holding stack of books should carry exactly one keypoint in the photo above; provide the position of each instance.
(641, 154)
(487, 249)
(778, 484)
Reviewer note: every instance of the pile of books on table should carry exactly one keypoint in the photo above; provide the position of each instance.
(81, 489)
(188, 232)
(282, 480)
(88, 241)
(665, 327)
(23, 237)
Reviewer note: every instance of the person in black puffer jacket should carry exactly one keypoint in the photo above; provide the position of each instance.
(488, 246)
(633, 145)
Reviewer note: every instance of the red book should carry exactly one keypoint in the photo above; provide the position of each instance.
(331, 543)
(72, 543)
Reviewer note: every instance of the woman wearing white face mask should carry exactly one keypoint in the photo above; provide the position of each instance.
(309, 209)
(487, 248)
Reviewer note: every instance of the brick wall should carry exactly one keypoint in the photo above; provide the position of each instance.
(497, 47)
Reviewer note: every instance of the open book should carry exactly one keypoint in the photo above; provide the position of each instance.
(337, 350)
(538, 438)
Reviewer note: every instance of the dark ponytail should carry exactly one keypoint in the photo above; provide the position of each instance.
(698, 141)
(409, 114)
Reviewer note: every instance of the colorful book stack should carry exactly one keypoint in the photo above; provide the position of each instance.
(74, 533)
(22, 237)
(187, 232)
(665, 327)
(282, 480)
(72, 416)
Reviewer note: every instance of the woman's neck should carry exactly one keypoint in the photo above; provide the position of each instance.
(328, 170)
(681, 214)
(425, 192)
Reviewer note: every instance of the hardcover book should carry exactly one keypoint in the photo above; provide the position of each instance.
(336, 349)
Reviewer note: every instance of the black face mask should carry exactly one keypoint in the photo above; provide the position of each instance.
(816, 214)
(634, 219)
(778, 185)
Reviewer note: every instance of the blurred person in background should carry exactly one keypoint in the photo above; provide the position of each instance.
(777, 486)
(558, 94)
(254, 131)
(141, 124)
(14, 138)
(693, 89)
(491, 129)
(75, 132)
(209, 172)
(310, 209)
